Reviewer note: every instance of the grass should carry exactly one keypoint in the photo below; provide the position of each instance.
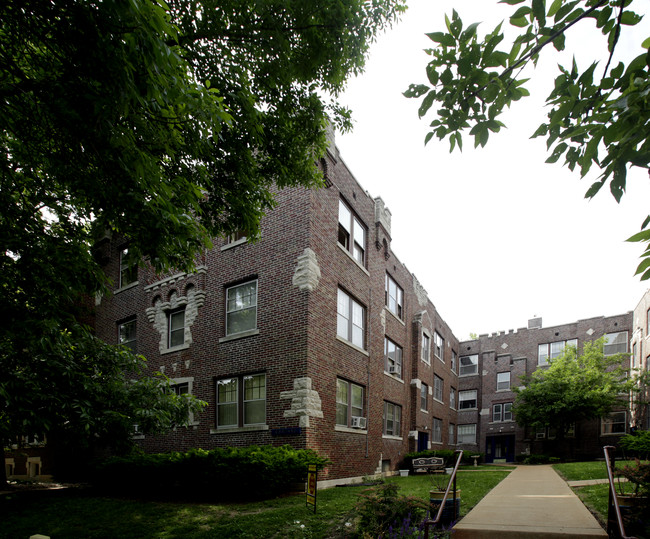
(77, 514)
(579, 471)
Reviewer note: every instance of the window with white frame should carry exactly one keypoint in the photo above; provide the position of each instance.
(438, 387)
(467, 400)
(436, 430)
(181, 388)
(392, 358)
(349, 404)
(635, 356)
(452, 398)
(352, 233)
(502, 412)
(392, 419)
(127, 335)
(552, 350)
(503, 381)
(350, 319)
(424, 397)
(614, 423)
(426, 348)
(176, 325)
(241, 401)
(438, 346)
(239, 236)
(241, 308)
(452, 434)
(454, 361)
(128, 271)
(615, 343)
(468, 365)
(467, 434)
(394, 297)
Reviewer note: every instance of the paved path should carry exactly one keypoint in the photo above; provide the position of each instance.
(533, 501)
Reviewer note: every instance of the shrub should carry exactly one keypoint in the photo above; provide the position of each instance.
(540, 459)
(253, 472)
(637, 444)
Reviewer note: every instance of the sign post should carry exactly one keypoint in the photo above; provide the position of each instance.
(312, 480)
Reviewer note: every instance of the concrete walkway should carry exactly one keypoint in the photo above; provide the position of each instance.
(533, 501)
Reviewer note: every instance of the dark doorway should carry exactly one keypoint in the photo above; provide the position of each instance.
(500, 448)
(423, 441)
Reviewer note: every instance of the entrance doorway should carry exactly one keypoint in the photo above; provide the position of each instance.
(500, 448)
(423, 441)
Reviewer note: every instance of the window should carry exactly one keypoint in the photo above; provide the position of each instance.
(452, 434)
(615, 343)
(238, 235)
(502, 412)
(241, 308)
(394, 297)
(241, 401)
(350, 321)
(454, 361)
(467, 399)
(437, 387)
(467, 434)
(426, 348)
(176, 325)
(352, 233)
(436, 430)
(392, 419)
(614, 423)
(126, 334)
(438, 346)
(128, 272)
(468, 365)
(647, 329)
(424, 397)
(349, 403)
(180, 389)
(553, 350)
(393, 357)
(635, 356)
(503, 381)
(452, 398)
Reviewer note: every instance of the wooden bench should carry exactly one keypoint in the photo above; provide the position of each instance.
(429, 465)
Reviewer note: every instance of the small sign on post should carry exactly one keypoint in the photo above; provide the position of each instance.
(312, 480)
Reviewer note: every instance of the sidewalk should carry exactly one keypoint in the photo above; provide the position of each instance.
(533, 501)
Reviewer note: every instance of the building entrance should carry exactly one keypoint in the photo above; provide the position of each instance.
(423, 441)
(500, 448)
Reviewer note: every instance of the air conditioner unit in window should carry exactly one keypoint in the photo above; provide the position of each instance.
(395, 369)
(540, 435)
(358, 422)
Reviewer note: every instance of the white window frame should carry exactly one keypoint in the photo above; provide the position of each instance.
(238, 309)
(615, 424)
(174, 331)
(394, 297)
(454, 361)
(466, 434)
(438, 388)
(611, 347)
(452, 434)
(240, 402)
(436, 430)
(503, 381)
(350, 227)
(128, 272)
(502, 412)
(349, 314)
(426, 348)
(551, 350)
(395, 422)
(468, 395)
(464, 370)
(452, 398)
(393, 355)
(123, 336)
(438, 346)
(424, 397)
(344, 397)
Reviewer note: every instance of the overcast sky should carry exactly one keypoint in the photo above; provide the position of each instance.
(495, 235)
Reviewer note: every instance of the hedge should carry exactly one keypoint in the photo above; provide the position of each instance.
(242, 473)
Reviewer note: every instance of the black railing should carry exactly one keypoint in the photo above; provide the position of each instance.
(451, 485)
(615, 525)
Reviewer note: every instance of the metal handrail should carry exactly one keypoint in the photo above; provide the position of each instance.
(452, 482)
(613, 500)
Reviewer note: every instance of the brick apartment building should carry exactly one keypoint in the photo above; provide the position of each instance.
(317, 336)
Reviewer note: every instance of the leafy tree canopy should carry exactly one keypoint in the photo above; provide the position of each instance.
(169, 124)
(572, 388)
(597, 114)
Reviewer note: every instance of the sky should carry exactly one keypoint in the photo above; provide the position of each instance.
(495, 235)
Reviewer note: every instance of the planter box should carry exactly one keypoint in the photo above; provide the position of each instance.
(404, 473)
(451, 511)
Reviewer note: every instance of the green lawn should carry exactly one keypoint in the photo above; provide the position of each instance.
(72, 515)
(578, 471)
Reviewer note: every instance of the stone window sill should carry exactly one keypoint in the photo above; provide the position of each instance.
(241, 335)
(341, 428)
(250, 428)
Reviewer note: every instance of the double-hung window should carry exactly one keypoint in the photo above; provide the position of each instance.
(126, 334)
(436, 430)
(392, 419)
(614, 423)
(424, 397)
(349, 404)
(502, 412)
(350, 320)
(468, 365)
(241, 401)
(452, 398)
(615, 343)
(176, 326)
(241, 308)
(503, 381)
(128, 272)
(452, 434)
(426, 348)
(394, 297)
(438, 346)
(454, 361)
(467, 434)
(438, 386)
(552, 350)
(467, 400)
(393, 358)
(352, 233)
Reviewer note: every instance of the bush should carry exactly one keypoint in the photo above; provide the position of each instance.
(637, 444)
(538, 459)
(232, 473)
